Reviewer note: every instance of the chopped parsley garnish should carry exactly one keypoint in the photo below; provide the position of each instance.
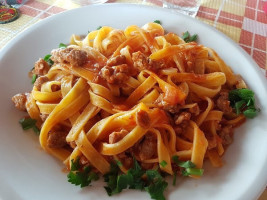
(174, 178)
(28, 123)
(156, 186)
(82, 176)
(157, 21)
(192, 171)
(187, 38)
(243, 101)
(136, 178)
(163, 163)
(63, 46)
(99, 27)
(117, 182)
(34, 77)
(133, 179)
(189, 168)
(48, 60)
(118, 163)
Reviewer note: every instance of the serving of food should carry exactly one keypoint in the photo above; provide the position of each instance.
(135, 105)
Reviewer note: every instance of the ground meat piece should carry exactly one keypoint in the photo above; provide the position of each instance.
(55, 88)
(143, 119)
(223, 102)
(57, 139)
(141, 62)
(117, 60)
(126, 159)
(75, 57)
(72, 144)
(166, 106)
(194, 110)
(147, 149)
(178, 130)
(147, 166)
(184, 116)
(41, 67)
(20, 101)
(39, 81)
(226, 134)
(117, 136)
(116, 74)
(172, 108)
(43, 116)
(84, 161)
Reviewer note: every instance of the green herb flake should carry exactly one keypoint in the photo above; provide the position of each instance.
(174, 178)
(153, 175)
(63, 46)
(185, 35)
(243, 101)
(116, 183)
(186, 164)
(118, 163)
(187, 38)
(192, 171)
(189, 168)
(82, 176)
(34, 77)
(36, 129)
(28, 123)
(163, 163)
(156, 185)
(157, 21)
(48, 60)
(98, 28)
(251, 113)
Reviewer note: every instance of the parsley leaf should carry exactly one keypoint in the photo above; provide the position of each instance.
(75, 165)
(163, 163)
(251, 113)
(28, 123)
(243, 101)
(34, 77)
(111, 179)
(186, 164)
(118, 163)
(157, 21)
(187, 38)
(116, 183)
(36, 130)
(81, 176)
(63, 46)
(156, 185)
(156, 190)
(189, 167)
(174, 178)
(98, 28)
(137, 174)
(48, 60)
(192, 171)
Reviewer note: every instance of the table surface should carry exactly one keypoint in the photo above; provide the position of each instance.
(244, 21)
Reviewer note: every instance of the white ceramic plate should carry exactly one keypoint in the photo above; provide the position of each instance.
(26, 172)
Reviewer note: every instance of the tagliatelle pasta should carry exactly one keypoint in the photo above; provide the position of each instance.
(138, 95)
